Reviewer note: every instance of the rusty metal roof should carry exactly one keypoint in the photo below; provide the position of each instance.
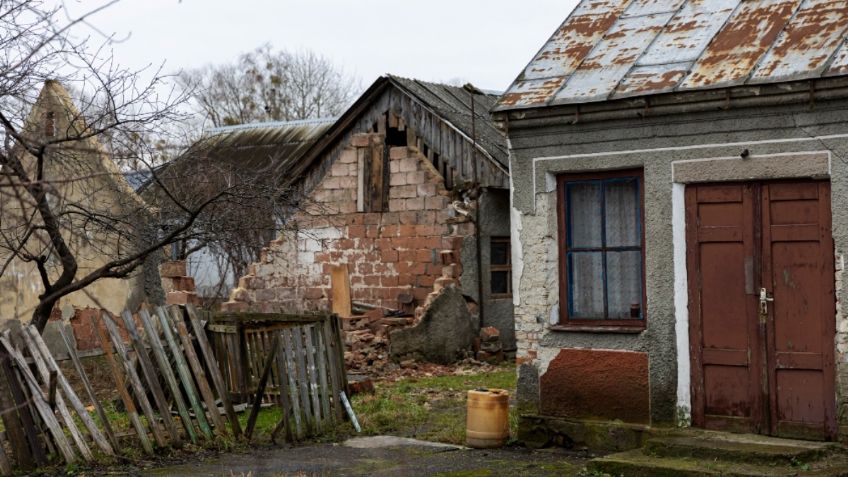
(611, 49)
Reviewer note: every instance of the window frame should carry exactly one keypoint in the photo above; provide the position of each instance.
(501, 267)
(601, 325)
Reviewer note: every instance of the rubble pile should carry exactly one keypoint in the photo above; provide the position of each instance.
(367, 339)
(490, 349)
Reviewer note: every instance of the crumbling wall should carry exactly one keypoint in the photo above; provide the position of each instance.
(390, 253)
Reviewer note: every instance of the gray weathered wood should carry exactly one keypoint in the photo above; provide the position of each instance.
(18, 424)
(260, 390)
(167, 372)
(197, 370)
(72, 352)
(152, 379)
(5, 465)
(43, 371)
(184, 372)
(302, 378)
(47, 415)
(214, 370)
(285, 400)
(333, 364)
(288, 362)
(96, 435)
(323, 382)
(314, 392)
(135, 381)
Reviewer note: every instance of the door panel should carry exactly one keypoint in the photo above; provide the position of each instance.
(766, 370)
(798, 270)
(724, 341)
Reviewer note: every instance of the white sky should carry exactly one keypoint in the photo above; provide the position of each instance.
(487, 42)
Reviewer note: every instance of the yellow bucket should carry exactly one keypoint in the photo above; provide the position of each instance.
(487, 424)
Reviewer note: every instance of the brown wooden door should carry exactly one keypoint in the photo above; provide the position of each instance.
(759, 365)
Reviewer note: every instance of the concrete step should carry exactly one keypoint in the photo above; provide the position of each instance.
(749, 448)
(638, 464)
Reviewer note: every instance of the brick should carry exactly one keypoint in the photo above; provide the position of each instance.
(397, 179)
(403, 192)
(399, 152)
(348, 156)
(360, 140)
(173, 269)
(426, 280)
(348, 182)
(426, 190)
(389, 230)
(356, 231)
(406, 256)
(389, 256)
(313, 293)
(389, 280)
(372, 280)
(339, 170)
(418, 178)
(397, 205)
(409, 164)
(435, 202)
(370, 218)
(181, 298)
(407, 230)
(394, 167)
(414, 204)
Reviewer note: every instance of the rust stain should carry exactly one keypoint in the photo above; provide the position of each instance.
(736, 49)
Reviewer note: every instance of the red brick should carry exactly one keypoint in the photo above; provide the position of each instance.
(414, 204)
(424, 256)
(356, 231)
(426, 280)
(407, 230)
(389, 256)
(408, 218)
(389, 218)
(389, 280)
(372, 280)
(370, 218)
(420, 294)
(406, 256)
(372, 231)
(398, 153)
(389, 231)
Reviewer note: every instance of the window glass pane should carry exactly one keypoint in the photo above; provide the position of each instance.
(586, 285)
(500, 282)
(584, 214)
(624, 285)
(500, 252)
(622, 213)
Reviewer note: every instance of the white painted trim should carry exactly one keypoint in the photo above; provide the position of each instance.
(515, 227)
(674, 148)
(681, 303)
(737, 158)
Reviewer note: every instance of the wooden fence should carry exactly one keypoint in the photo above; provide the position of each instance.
(295, 361)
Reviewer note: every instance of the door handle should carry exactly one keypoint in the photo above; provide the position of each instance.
(765, 298)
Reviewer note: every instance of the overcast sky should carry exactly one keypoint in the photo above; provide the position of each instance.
(486, 42)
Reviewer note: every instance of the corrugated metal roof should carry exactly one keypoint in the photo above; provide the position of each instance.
(609, 49)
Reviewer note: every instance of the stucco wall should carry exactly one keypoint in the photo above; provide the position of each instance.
(540, 152)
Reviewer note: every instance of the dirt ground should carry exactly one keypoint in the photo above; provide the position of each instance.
(388, 458)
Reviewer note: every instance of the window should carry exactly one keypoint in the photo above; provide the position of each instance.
(601, 255)
(500, 267)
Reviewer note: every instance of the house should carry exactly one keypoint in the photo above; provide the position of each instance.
(83, 182)
(259, 153)
(409, 190)
(678, 220)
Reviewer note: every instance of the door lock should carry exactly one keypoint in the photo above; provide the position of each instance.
(765, 298)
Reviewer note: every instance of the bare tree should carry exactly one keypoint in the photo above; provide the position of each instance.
(65, 208)
(268, 85)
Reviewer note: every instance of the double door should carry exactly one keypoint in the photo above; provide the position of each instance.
(760, 267)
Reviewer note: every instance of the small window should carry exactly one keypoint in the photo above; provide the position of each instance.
(602, 265)
(500, 267)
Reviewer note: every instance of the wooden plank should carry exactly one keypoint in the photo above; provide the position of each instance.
(120, 383)
(197, 370)
(44, 372)
(314, 392)
(96, 435)
(40, 404)
(260, 390)
(214, 370)
(289, 363)
(302, 378)
(184, 373)
(333, 364)
(323, 382)
(285, 401)
(149, 372)
(340, 290)
(135, 381)
(5, 465)
(167, 372)
(72, 352)
(17, 422)
(339, 350)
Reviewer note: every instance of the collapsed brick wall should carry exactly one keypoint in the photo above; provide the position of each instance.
(389, 254)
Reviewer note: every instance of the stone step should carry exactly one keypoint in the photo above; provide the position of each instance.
(636, 463)
(750, 448)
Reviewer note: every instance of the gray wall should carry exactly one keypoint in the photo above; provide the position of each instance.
(655, 144)
(494, 222)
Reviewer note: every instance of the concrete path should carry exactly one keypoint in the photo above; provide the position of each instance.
(382, 456)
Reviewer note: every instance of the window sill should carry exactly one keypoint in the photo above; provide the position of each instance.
(598, 329)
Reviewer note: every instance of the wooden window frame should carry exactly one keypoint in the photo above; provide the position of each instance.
(502, 267)
(567, 323)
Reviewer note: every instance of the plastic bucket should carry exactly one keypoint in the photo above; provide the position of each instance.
(487, 424)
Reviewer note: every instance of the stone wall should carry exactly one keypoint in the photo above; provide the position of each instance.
(389, 253)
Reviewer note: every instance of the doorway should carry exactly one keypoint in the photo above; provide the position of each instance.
(760, 265)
